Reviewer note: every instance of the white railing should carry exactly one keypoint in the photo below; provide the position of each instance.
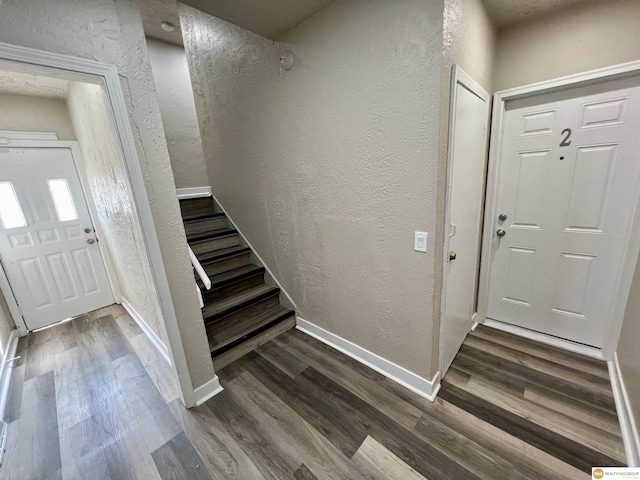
(201, 273)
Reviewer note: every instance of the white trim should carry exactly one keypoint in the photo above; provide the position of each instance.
(207, 391)
(5, 370)
(12, 303)
(571, 80)
(11, 135)
(270, 275)
(546, 339)
(458, 76)
(199, 270)
(28, 59)
(5, 380)
(193, 192)
(417, 384)
(148, 331)
(616, 316)
(628, 426)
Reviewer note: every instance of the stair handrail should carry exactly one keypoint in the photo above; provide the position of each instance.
(198, 267)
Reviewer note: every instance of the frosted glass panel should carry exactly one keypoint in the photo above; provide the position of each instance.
(10, 211)
(62, 199)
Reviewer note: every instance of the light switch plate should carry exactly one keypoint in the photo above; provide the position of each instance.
(420, 242)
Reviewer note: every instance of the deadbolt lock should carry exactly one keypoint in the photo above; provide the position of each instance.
(87, 230)
(502, 217)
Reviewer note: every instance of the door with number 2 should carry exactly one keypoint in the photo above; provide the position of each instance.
(47, 242)
(568, 180)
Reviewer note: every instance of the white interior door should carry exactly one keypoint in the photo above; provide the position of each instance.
(466, 187)
(568, 180)
(47, 242)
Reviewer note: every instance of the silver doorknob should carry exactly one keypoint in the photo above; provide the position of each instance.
(91, 241)
(452, 255)
(501, 233)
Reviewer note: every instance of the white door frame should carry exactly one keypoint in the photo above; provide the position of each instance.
(458, 77)
(74, 147)
(32, 61)
(616, 317)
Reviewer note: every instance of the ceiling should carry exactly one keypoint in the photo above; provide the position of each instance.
(270, 18)
(154, 12)
(273, 18)
(505, 12)
(27, 84)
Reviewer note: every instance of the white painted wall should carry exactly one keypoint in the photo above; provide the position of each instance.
(110, 193)
(582, 37)
(628, 351)
(329, 168)
(25, 113)
(111, 31)
(178, 110)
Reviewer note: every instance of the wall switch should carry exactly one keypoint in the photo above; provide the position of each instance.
(420, 242)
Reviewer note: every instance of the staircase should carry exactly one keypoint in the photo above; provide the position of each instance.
(241, 311)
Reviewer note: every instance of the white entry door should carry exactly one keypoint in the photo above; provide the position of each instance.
(470, 118)
(569, 171)
(47, 242)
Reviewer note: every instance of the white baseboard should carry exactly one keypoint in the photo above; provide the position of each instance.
(630, 436)
(148, 331)
(207, 391)
(550, 340)
(193, 192)
(5, 369)
(417, 384)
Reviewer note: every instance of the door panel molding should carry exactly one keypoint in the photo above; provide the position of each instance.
(594, 77)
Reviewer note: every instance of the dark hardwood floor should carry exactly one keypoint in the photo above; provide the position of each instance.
(93, 400)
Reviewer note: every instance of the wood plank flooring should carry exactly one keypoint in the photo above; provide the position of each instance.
(93, 399)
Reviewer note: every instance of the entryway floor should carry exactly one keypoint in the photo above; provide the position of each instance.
(93, 399)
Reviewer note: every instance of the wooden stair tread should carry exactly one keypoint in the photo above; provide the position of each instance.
(203, 217)
(197, 238)
(233, 303)
(231, 276)
(224, 335)
(221, 253)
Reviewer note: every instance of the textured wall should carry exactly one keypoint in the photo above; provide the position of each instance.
(469, 40)
(173, 84)
(6, 326)
(583, 37)
(329, 168)
(24, 113)
(628, 352)
(111, 31)
(103, 168)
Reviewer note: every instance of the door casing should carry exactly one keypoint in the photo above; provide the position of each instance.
(616, 316)
(76, 154)
(30, 60)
